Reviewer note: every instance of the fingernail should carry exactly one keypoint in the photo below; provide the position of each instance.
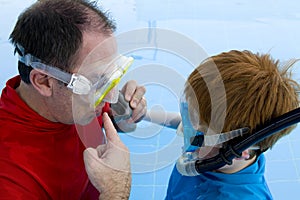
(133, 104)
(127, 97)
(130, 121)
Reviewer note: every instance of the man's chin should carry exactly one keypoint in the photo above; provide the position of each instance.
(85, 120)
(90, 114)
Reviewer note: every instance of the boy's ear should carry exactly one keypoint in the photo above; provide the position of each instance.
(245, 155)
(41, 83)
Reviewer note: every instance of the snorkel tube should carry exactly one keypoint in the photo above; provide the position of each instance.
(238, 145)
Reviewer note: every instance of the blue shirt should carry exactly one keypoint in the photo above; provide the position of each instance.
(247, 184)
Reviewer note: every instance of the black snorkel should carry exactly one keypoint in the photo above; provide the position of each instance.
(239, 144)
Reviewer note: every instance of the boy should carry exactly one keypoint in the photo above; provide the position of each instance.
(251, 90)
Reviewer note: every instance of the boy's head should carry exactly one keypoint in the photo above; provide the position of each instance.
(256, 91)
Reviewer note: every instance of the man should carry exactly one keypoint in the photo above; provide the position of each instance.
(68, 65)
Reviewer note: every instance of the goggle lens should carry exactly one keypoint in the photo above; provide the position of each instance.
(113, 81)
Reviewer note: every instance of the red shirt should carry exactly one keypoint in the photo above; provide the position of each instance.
(39, 159)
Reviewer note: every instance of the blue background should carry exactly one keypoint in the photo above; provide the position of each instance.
(270, 26)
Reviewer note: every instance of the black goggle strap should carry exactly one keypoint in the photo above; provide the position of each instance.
(217, 139)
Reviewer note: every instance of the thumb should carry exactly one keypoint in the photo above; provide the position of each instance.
(101, 149)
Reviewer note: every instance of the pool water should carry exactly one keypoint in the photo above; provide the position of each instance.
(168, 39)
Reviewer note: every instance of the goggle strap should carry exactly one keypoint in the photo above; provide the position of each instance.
(53, 72)
(213, 140)
(34, 62)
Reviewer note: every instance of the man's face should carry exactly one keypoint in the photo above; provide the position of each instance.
(93, 60)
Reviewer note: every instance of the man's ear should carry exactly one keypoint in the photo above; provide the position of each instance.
(41, 83)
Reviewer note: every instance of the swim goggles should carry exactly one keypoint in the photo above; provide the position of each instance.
(78, 83)
(199, 146)
(193, 138)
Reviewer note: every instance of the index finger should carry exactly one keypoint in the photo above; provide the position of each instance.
(111, 132)
(129, 89)
(137, 96)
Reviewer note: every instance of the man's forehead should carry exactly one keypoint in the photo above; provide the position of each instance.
(98, 50)
(97, 47)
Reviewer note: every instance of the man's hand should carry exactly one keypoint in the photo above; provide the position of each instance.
(133, 94)
(108, 166)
